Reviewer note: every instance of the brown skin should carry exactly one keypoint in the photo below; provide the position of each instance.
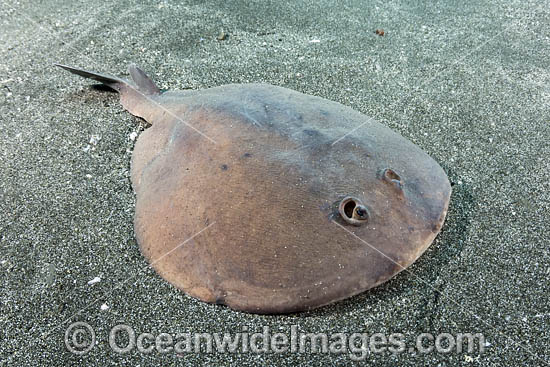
(266, 196)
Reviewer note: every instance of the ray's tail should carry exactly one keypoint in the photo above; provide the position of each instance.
(139, 98)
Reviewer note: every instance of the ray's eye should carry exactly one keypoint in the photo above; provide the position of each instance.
(353, 211)
(361, 211)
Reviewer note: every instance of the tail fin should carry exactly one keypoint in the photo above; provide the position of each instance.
(143, 82)
(137, 99)
(110, 81)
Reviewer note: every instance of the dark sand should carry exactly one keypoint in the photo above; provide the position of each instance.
(470, 84)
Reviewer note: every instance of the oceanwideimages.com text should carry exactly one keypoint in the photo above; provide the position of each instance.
(80, 338)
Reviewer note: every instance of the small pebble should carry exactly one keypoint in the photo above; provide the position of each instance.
(95, 280)
(222, 36)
